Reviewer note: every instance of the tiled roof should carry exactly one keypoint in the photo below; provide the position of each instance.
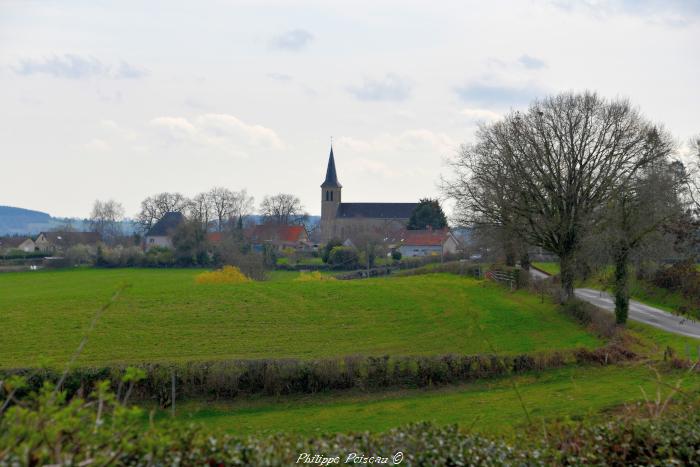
(71, 238)
(276, 232)
(377, 210)
(424, 237)
(164, 227)
(12, 242)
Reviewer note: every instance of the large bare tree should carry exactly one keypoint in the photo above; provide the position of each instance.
(154, 207)
(282, 208)
(548, 171)
(105, 219)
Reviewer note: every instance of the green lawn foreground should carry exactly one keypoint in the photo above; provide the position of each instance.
(164, 315)
(490, 406)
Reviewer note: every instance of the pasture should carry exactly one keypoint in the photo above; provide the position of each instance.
(163, 315)
(491, 406)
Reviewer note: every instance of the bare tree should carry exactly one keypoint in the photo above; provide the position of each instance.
(282, 208)
(201, 209)
(554, 166)
(223, 201)
(242, 207)
(105, 219)
(640, 209)
(154, 207)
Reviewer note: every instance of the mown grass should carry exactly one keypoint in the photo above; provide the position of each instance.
(165, 316)
(488, 407)
(548, 267)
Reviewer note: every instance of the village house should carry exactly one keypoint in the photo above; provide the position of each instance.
(59, 241)
(279, 236)
(428, 243)
(24, 244)
(160, 235)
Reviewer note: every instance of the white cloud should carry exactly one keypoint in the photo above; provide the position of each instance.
(74, 66)
(422, 141)
(294, 40)
(390, 88)
(221, 131)
(480, 115)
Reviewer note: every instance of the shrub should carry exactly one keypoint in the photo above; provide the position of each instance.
(332, 243)
(313, 276)
(343, 257)
(396, 255)
(599, 321)
(225, 275)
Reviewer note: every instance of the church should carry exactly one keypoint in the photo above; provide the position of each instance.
(345, 220)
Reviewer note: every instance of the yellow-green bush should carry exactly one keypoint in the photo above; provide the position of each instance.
(225, 275)
(313, 276)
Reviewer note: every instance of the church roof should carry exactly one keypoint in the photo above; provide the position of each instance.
(331, 180)
(165, 226)
(377, 210)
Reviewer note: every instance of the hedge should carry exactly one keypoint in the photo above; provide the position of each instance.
(228, 379)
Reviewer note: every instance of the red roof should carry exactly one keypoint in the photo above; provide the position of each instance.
(424, 237)
(215, 237)
(278, 233)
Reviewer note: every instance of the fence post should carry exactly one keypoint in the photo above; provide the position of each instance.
(172, 396)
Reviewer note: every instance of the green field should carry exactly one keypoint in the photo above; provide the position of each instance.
(490, 406)
(164, 315)
(549, 268)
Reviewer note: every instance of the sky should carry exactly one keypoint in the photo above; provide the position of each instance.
(124, 99)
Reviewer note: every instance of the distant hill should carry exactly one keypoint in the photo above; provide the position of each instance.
(20, 221)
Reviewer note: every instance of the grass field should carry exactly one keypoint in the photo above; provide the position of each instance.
(490, 407)
(164, 316)
(549, 268)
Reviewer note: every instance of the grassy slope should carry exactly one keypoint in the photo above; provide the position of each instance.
(164, 316)
(491, 407)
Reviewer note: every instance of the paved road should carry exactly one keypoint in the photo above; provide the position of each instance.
(638, 311)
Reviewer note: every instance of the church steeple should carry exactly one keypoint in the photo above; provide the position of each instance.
(331, 180)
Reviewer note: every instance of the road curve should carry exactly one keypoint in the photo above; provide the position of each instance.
(638, 311)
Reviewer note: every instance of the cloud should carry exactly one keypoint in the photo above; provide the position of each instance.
(294, 40)
(279, 77)
(390, 88)
(495, 95)
(476, 115)
(72, 66)
(416, 140)
(531, 62)
(671, 12)
(220, 131)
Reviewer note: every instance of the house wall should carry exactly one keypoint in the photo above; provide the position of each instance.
(450, 246)
(157, 241)
(411, 251)
(27, 246)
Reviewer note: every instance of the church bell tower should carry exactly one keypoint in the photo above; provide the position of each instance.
(330, 198)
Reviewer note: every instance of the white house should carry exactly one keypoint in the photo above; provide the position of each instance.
(428, 243)
(160, 235)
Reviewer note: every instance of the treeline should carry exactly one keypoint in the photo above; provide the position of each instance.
(228, 379)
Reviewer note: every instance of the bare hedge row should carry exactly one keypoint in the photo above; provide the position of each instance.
(229, 379)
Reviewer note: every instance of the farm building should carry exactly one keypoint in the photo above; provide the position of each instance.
(24, 244)
(280, 236)
(160, 235)
(59, 241)
(428, 242)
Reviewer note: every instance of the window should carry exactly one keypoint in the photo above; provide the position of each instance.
(328, 196)
(331, 196)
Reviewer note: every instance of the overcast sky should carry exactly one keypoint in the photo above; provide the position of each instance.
(125, 99)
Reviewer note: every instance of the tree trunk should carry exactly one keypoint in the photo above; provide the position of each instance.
(566, 267)
(525, 260)
(622, 294)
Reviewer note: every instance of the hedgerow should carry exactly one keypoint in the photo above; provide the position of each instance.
(49, 428)
(228, 379)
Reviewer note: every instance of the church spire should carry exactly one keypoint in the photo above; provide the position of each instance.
(331, 176)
